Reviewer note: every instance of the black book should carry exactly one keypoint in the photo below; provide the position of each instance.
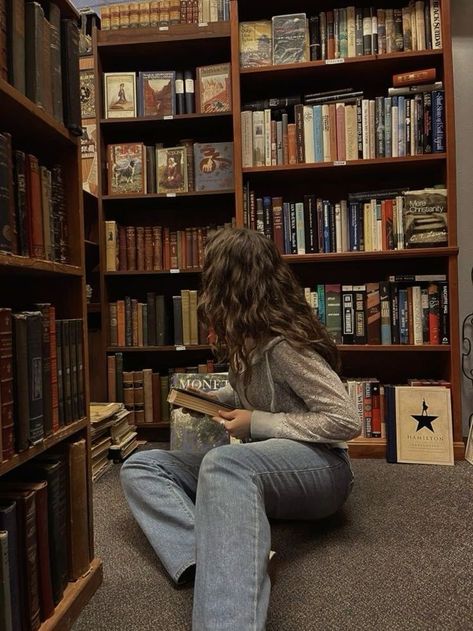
(310, 224)
(5, 200)
(444, 327)
(177, 313)
(119, 376)
(277, 103)
(151, 303)
(70, 76)
(56, 66)
(367, 32)
(21, 407)
(151, 169)
(8, 523)
(180, 93)
(128, 322)
(46, 347)
(80, 369)
(73, 351)
(189, 92)
(34, 332)
(34, 22)
(66, 371)
(162, 325)
(20, 203)
(60, 373)
(315, 42)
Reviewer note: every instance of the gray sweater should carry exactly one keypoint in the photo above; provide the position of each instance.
(294, 395)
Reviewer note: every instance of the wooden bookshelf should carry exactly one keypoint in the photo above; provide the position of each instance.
(26, 281)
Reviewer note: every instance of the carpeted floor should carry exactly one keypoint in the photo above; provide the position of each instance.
(399, 557)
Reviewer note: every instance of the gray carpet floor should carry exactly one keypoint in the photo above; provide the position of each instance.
(398, 557)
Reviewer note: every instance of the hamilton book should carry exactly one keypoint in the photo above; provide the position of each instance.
(424, 425)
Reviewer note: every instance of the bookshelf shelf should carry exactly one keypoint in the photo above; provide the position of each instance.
(91, 244)
(344, 257)
(26, 265)
(167, 196)
(76, 596)
(394, 348)
(28, 120)
(175, 33)
(50, 441)
(153, 120)
(154, 273)
(355, 164)
(158, 349)
(152, 425)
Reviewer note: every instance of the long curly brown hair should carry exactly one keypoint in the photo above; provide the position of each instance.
(250, 295)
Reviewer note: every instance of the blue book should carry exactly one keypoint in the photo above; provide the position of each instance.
(388, 149)
(318, 134)
(321, 301)
(268, 216)
(403, 317)
(292, 213)
(327, 230)
(402, 126)
(438, 121)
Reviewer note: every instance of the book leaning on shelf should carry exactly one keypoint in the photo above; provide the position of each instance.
(162, 14)
(341, 33)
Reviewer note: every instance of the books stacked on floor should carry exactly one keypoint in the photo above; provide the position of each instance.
(33, 215)
(42, 58)
(165, 93)
(44, 537)
(161, 14)
(136, 169)
(113, 435)
(42, 376)
(342, 125)
(339, 33)
(155, 248)
(405, 309)
(156, 322)
(368, 221)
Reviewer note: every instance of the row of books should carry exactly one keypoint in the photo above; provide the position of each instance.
(163, 13)
(134, 168)
(165, 93)
(113, 436)
(156, 322)
(405, 309)
(365, 222)
(148, 248)
(344, 126)
(33, 216)
(340, 33)
(42, 378)
(368, 396)
(44, 540)
(42, 58)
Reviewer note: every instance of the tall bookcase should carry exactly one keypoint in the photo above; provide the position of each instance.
(177, 47)
(372, 73)
(26, 281)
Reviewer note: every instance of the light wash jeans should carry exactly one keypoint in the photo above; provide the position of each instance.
(213, 511)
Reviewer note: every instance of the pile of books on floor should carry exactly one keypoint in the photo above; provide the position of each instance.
(113, 438)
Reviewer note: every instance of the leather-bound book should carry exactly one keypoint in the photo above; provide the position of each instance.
(111, 378)
(61, 236)
(66, 371)
(6, 198)
(151, 303)
(46, 348)
(70, 76)
(177, 316)
(34, 19)
(156, 385)
(28, 555)
(162, 325)
(148, 263)
(56, 65)
(79, 559)
(54, 369)
(80, 368)
(40, 489)
(34, 207)
(21, 203)
(140, 248)
(8, 523)
(157, 248)
(7, 437)
(122, 262)
(60, 373)
(46, 70)
(5, 595)
(3, 40)
(131, 248)
(54, 473)
(21, 408)
(138, 397)
(73, 360)
(128, 394)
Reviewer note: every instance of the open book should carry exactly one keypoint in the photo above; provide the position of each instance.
(196, 401)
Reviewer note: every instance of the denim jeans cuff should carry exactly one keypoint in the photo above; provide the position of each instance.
(186, 574)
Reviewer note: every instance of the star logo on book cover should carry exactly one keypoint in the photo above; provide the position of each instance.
(424, 419)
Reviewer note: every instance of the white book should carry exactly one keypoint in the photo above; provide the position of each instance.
(351, 31)
(326, 133)
(309, 149)
(345, 226)
(417, 315)
(205, 11)
(413, 127)
(412, 9)
(436, 24)
(308, 295)
(111, 246)
(247, 139)
(338, 228)
(420, 24)
(267, 137)
(399, 222)
(351, 132)
(389, 30)
(395, 131)
(300, 231)
(365, 113)
(213, 11)
(258, 139)
(372, 128)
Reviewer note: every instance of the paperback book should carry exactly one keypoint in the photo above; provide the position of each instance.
(156, 93)
(213, 163)
(120, 94)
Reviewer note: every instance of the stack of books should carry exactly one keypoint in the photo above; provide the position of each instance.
(112, 436)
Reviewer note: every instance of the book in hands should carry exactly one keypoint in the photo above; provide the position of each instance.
(196, 401)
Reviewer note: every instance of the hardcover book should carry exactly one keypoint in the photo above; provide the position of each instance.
(126, 169)
(156, 93)
(255, 43)
(87, 93)
(424, 425)
(425, 218)
(120, 94)
(213, 92)
(192, 434)
(290, 39)
(213, 166)
(171, 167)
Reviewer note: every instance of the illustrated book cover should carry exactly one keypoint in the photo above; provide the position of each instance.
(87, 93)
(213, 163)
(120, 94)
(88, 148)
(290, 39)
(171, 167)
(213, 92)
(255, 43)
(424, 433)
(126, 169)
(425, 218)
(156, 93)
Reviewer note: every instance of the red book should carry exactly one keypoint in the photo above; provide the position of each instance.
(414, 78)
(148, 249)
(140, 248)
(291, 145)
(173, 262)
(157, 248)
(376, 410)
(200, 247)
(121, 322)
(6, 385)
(373, 312)
(278, 230)
(34, 207)
(182, 249)
(195, 253)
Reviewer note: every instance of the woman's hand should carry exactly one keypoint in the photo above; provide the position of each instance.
(237, 422)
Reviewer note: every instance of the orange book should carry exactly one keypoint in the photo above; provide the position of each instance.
(414, 78)
(291, 143)
(121, 322)
(34, 208)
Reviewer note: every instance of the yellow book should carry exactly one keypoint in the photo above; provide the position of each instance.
(255, 43)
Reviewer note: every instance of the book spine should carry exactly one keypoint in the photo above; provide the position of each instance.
(436, 24)
(438, 121)
(6, 384)
(78, 513)
(444, 316)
